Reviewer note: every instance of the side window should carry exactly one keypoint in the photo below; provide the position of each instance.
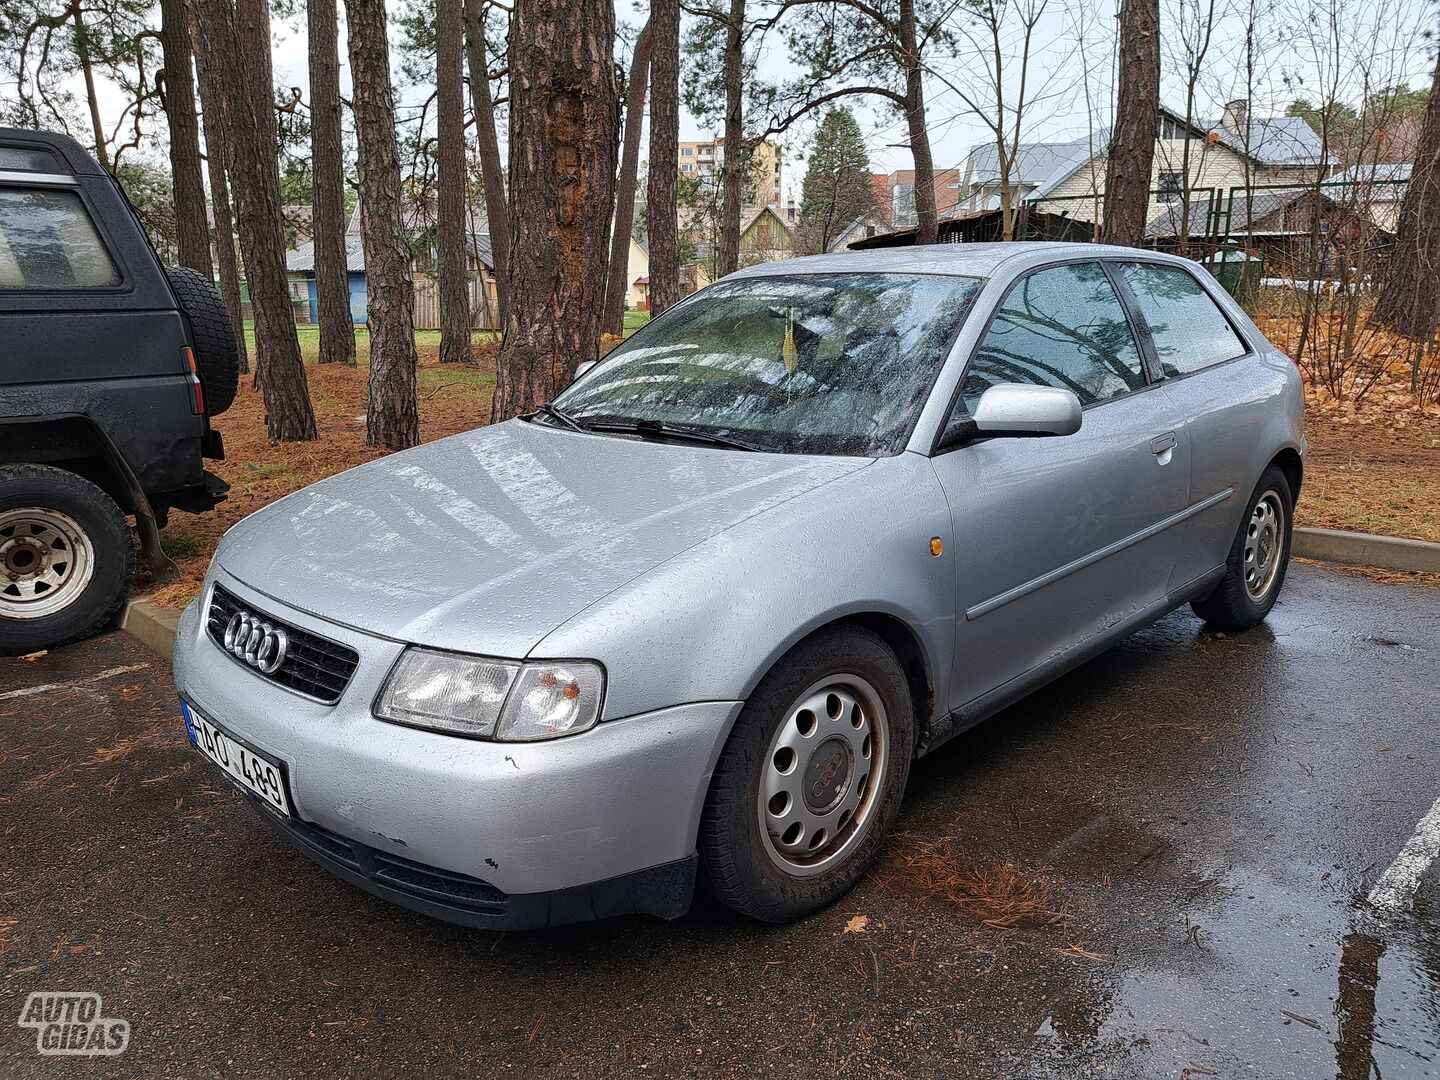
(1060, 327)
(47, 241)
(1189, 330)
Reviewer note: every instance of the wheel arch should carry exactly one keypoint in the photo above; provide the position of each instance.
(71, 442)
(1292, 465)
(898, 635)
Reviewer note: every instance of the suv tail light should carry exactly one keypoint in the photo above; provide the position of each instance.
(197, 392)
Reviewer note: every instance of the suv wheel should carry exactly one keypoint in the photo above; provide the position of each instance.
(811, 778)
(66, 557)
(1258, 559)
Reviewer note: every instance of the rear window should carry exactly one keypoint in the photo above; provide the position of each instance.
(47, 241)
(1190, 331)
(29, 159)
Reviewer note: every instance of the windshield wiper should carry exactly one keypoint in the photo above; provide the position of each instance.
(661, 429)
(554, 412)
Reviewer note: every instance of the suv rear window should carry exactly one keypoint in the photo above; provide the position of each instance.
(1189, 330)
(47, 241)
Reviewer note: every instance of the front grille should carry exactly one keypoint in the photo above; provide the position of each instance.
(314, 666)
(427, 883)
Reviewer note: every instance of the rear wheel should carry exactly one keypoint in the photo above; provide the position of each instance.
(811, 778)
(1258, 559)
(66, 557)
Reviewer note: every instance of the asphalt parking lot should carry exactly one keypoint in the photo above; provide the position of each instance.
(1211, 814)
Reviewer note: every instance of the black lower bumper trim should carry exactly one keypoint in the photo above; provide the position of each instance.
(665, 891)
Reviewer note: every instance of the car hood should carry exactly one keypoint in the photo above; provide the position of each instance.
(486, 541)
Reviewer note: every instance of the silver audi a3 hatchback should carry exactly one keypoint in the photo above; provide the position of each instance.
(690, 623)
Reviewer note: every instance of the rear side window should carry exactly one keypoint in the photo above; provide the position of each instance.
(47, 241)
(1190, 330)
(1063, 327)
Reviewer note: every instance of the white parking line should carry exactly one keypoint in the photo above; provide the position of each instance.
(1398, 885)
(44, 688)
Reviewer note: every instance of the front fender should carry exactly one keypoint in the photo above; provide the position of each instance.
(710, 622)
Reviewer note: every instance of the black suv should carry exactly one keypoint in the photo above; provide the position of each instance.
(110, 369)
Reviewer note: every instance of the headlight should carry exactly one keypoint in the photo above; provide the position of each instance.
(491, 699)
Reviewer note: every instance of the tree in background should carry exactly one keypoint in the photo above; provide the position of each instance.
(222, 236)
(492, 172)
(664, 155)
(392, 418)
(563, 120)
(837, 187)
(452, 215)
(848, 48)
(1137, 119)
(44, 44)
(722, 85)
(250, 156)
(1409, 298)
(192, 232)
(327, 207)
(616, 285)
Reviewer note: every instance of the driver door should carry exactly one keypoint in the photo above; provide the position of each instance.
(1060, 539)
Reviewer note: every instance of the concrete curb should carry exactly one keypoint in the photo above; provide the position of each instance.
(1366, 549)
(151, 624)
(155, 626)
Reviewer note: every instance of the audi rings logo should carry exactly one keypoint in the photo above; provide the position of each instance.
(256, 642)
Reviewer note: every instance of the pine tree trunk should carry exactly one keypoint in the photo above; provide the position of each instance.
(926, 218)
(392, 419)
(617, 282)
(253, 23)
(82, 52)
(254, 170)
(664, 156)
(564, 117)
(492, 172)
(222, 236)
(187, 179)
(1137, 116)
(452, 232)
(736, 166)
(327, 163)
(1409, 300)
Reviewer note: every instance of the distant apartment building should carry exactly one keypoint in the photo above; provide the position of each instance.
(702, 159)
(895, 194)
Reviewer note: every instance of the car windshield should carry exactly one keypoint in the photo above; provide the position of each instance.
(811, 364)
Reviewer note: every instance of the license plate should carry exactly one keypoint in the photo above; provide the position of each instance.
(254, 772)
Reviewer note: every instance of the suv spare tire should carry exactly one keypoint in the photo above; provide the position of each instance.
(216, 356)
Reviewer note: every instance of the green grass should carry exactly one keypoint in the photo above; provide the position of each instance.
(634, 320)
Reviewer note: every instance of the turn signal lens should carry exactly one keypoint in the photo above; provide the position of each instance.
(551, 700)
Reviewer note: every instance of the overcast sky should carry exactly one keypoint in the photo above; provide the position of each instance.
(1071, 68)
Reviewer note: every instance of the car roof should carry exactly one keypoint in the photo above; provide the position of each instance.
(975, 260)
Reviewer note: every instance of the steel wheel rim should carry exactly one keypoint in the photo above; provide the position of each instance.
(1264, 539)
(46, 561)
(822, 775)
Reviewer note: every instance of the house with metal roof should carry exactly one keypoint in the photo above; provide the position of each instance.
(1067, 178)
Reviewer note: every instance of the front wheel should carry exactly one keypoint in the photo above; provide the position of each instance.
(811, 778)
(1259, 557)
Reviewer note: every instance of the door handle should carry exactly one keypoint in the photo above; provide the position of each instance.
(1161, 443)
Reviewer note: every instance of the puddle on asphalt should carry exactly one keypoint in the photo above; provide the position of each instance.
(1272, 983)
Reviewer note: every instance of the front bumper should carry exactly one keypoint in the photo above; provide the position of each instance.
(383, 805)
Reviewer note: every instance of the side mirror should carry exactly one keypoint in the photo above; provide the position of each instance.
(582, 368)
(1017, 410)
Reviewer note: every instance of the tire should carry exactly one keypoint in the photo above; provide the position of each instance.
(1259, 557)
(66, 558)
(216, 357)
(752, 861)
